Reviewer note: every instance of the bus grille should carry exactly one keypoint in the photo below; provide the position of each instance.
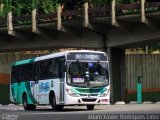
(89, 100)
(89, 94)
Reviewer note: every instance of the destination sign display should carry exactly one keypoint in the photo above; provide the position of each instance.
(87, 56)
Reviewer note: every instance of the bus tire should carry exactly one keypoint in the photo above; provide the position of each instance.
(25, 103)
(52, 100)
(27, 106)
(32, 107)
(90, 107)
(59, 107)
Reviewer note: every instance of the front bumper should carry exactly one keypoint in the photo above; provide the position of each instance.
(86, 100)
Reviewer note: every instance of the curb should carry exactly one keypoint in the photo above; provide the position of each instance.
(120, 103)
(147, 102)
(11, 105)
(133, 102)
(158, 102)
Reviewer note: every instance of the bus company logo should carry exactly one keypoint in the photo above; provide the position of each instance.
(44, 87)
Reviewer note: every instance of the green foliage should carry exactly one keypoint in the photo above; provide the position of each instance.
(24, 7)
(48, 6)
(5, 7)
(125, 1)
(99, 3)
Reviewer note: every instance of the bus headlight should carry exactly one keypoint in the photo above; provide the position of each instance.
(71, 93)
(104, 94)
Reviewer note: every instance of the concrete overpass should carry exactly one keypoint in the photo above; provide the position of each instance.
(110, 28)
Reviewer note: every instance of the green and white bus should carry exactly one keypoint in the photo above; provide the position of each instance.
(79, 77)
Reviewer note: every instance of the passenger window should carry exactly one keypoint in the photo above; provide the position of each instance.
(28, 74)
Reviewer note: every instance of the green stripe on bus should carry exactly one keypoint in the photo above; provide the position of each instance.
(28, 88)
(23, 62)
(88, 90)
(13, 91)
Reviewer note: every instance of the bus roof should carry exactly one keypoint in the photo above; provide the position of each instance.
(23, 62)
(53, 55)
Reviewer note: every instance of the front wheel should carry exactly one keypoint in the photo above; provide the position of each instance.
(52, 100)
(90, 107)
(59, 107)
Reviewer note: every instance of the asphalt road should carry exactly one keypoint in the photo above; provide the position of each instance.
(102, 112)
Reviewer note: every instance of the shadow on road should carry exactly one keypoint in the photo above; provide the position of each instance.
(64, 110)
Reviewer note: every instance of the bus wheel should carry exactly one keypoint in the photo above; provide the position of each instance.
(59, 107)
(32, 107)
(90, 107)
(52, 100)
(25, 104)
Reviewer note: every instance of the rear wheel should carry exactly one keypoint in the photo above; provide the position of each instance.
(25, 103)
(90, 107)
(32, 107)
(27, 106)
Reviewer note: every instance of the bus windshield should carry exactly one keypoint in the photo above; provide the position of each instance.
(87, 74)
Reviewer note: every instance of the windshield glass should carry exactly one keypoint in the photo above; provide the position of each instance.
(87, 74)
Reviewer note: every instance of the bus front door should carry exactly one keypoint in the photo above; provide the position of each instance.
(34, 91)
(34, 85)
(62, 90)
(62, 77)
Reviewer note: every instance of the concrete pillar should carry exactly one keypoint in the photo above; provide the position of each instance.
(85, 15)
(113, 12)
(143, 11)
(34, 21)
(59, 18)
(9, 22)
(116, 58)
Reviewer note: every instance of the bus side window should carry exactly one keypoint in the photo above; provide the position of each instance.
(28, 72)
(20, 73)
(49, 69)
(14, 74)
(55, 68)
(45, 69)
